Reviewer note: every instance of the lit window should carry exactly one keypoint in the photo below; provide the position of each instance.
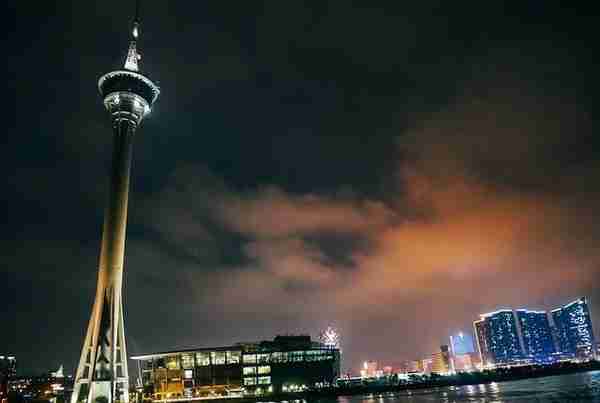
(264, 380)
(172, 362)
(249, 370)
(233, 357)
(203, 359)
(187, 361)
(262, 358)
(250, 381)
(249, 358)
(218, 357)
(265, 369)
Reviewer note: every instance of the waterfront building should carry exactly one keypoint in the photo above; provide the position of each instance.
(574, 332)
(499, 336)
(463, 362)
(286, 364)
(369, 369)
(427, 365)
(461, 343)
(412, 366)
(441, 360)
(481, 329)
(536, 335)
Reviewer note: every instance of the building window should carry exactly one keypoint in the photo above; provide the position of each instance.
(249, 370)
(264, 380)
(233, 357)
(262, 358)
(249, 358)
(172, 362)
(187, 361)
(276, 357)
(264, 369)
(218, 357)
(188, 374)
(203, 359)
(250, 381)
(296, 356)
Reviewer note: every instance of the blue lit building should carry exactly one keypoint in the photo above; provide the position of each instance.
(536, 335)
(461, 343)
(574, 333)
(503, 344)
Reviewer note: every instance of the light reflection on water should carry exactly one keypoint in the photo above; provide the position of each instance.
(582, 387)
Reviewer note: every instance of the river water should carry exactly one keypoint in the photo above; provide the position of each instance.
(581, 387)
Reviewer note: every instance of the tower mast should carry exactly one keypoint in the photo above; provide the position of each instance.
(102, 375)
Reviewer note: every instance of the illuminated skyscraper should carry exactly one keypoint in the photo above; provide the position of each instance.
(481, 329)
(461, 343)
(498, 338)
(536, 334)
(102, 375)
(574, 329)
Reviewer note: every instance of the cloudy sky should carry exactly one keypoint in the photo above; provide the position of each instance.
(392, 170)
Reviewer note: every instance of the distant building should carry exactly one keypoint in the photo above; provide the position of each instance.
(536, 335)
(8, 371)
(461, 343)
(481, 329)
(286, 364)
(427, 365)
(412, 366)
(463, 362)
(369, 369)
(574, 332)
(441, 360)
(498, 338)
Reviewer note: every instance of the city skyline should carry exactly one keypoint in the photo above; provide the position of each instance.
(302, 172)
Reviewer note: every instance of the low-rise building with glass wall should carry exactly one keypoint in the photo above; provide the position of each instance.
(286, 364)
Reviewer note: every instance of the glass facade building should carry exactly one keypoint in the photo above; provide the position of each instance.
(500, 336)
(461, 343)
(574, 332)
(536, 335)
(286, 364)
(481, 336)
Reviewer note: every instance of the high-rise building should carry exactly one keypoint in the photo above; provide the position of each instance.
(498, 338)
(8, 366)
(8, 371)
(461, 343)
(481, 329)
(441, 363)
(102, 374)
(536, 335)
(574, 332)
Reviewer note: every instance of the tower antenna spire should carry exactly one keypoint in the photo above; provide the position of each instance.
(133, 56)
(136, 21)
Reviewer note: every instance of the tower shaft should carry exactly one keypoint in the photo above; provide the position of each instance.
(103, 362)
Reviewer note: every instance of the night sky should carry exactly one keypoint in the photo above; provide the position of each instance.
(392, 170)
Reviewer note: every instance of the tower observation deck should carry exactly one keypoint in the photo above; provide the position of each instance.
(102, 375)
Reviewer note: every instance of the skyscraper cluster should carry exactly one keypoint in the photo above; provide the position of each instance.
(510, 336)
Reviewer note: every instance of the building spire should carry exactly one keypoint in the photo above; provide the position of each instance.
(133, 57)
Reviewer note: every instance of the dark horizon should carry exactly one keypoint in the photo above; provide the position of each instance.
(391, 171)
